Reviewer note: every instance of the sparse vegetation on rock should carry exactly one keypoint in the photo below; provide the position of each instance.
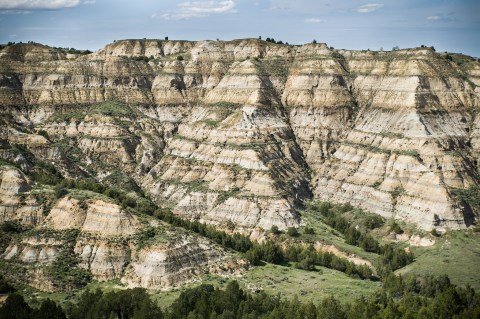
(125, 165)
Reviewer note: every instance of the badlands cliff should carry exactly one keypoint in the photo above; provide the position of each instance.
(245, 131)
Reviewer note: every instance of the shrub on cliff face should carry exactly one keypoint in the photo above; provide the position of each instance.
(11, 227)
(60, 191)
(274, 230)
(373, 221)
(396, 228)
(5, 287)
(44, 134)
(292, 232)
(65, 272)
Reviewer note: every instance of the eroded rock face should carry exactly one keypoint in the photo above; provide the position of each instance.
(92, 216)
(105, 259)
(16, 203)
(103, 237)
(163, 266)
(241, 166)
(239, 133)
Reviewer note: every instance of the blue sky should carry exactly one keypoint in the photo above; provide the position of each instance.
(449, 25)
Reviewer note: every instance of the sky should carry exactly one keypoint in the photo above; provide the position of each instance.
(448, 25)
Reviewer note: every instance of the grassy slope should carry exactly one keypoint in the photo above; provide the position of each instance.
(308, 285)
(456, 254)
(273, 279)
(288, 282)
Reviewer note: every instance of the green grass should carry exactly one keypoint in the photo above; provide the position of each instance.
(118, 179)
(375, 149)
(165, 298)
(456, 254)
(66, 117)
(114, 108)
(160, 234)
(308, 285)
(4, 162)
(210, 122)
(111, 108)
(274, 67)
(198, 186)
(227, 105)
(247, 146)
(34, 297)
(288, 281)
(223, 196)
(391, 135)
(82, 194)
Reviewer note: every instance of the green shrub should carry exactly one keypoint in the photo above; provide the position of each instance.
(292, 232)
(11, 227)
(396, 228)
(65, 272)
(5, 287)
(368, 243)
(44, 134)
(373, 221)
(274, 230)
(60, 191)
(129, 201)
(309, 231)
(470, 195)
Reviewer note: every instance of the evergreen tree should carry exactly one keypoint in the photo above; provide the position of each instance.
(49, 310)
(330, 308)
(15, 307)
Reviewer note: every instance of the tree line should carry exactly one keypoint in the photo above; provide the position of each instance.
(413, 297)
(304, 257)
(392, 257)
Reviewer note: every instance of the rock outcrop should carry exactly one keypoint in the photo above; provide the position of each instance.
(104, 239)
(240, 133)
(16, 202)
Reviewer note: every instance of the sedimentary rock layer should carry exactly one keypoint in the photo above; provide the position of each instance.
(240, 133)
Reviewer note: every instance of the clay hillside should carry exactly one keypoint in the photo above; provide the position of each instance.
(125, 161)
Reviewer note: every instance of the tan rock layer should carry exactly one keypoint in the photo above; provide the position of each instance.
(376, 128)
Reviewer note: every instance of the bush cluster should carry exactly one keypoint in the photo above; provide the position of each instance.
(392, 257)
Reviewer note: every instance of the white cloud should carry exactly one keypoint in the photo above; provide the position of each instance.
(15, 12)
(38, 4)
(198, 9)
(370, 7)
(313, 20)
(440, 17)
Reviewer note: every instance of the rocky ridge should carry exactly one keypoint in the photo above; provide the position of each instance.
(240, 133)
